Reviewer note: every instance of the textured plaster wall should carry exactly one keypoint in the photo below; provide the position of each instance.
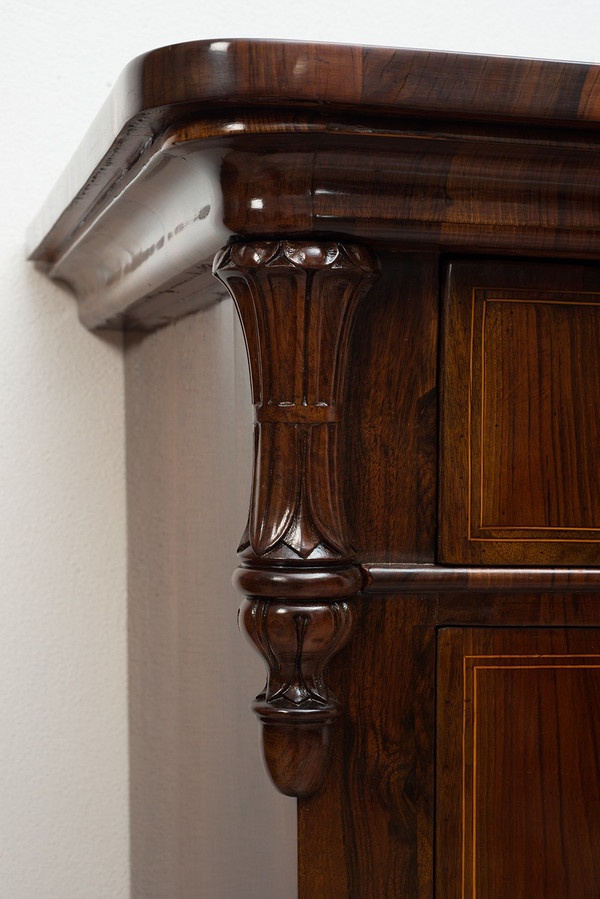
(63, 702)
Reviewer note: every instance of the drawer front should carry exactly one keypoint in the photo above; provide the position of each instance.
(518, 792)
(520, 453)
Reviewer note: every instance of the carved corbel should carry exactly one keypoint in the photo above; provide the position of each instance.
(297, 302)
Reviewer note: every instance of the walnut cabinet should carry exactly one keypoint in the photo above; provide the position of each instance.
(412, 244)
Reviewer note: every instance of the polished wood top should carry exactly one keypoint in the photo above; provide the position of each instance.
(204, 141)
(160, 87)
(377, 78)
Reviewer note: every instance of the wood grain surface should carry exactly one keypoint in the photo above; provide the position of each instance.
(297, 303)
(520, 433)
(442, 453)
(173, 82)
(407, 578)
(206, 141)
(369, 832)
(518, 795)
(389, 458)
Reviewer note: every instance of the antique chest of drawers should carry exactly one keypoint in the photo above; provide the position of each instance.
(411, 240)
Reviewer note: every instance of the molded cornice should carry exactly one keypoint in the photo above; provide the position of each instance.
(207, 141)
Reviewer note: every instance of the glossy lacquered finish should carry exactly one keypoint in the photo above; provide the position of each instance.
(202, 142)
(406, 578)
(297, 303)
(520, 434)
(514, 712)
(425, 483)
(175, 82)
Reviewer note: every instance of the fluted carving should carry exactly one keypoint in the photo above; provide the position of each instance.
(297, 302)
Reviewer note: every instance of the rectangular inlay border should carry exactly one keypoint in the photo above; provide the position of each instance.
(472, 666)
(478, 531)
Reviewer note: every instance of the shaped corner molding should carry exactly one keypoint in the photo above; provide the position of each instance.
(297, 302)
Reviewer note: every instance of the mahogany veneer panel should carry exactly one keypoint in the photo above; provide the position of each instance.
(521, 434)
(389, 459)
(518, 794)
(313, 172)
(368, 833)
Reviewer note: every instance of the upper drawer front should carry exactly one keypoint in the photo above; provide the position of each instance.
(520, 455)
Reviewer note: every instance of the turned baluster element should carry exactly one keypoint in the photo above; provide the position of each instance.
(297, 302)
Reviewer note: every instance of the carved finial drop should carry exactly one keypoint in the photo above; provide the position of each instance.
(297, 302)
(297, 709)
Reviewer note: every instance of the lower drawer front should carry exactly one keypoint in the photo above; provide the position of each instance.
(520, 424)
(518, 767)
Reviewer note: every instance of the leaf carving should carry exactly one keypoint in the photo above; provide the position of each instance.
(297, 301)
(272, 505)
(322, 494)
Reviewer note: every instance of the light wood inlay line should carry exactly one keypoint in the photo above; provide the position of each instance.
(469, 417)
(474, 670)
(485, 297)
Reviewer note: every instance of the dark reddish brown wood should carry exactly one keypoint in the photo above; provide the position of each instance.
(168, 84)
(452, 579)
(299, 582)
(214, 139)
(519, 776)
(297, 709)
(389, 463)
(520, 430)
(297, 303)
(296, 158)
(411, 183)
(572, 610)
(144, 259)
(369, 831)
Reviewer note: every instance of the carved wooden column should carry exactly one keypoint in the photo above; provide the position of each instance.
(297, 303)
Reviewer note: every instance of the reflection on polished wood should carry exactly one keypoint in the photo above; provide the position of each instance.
(297, 303)
(176, 82)
(521, 433)
(216, 139)
(366, 207)
(517, 722)
(406, 578)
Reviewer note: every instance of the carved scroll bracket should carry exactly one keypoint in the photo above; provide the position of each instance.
(297, 302)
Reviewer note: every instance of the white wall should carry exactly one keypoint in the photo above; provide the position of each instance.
(63, 703)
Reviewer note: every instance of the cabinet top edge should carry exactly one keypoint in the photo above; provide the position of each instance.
(165, 85)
